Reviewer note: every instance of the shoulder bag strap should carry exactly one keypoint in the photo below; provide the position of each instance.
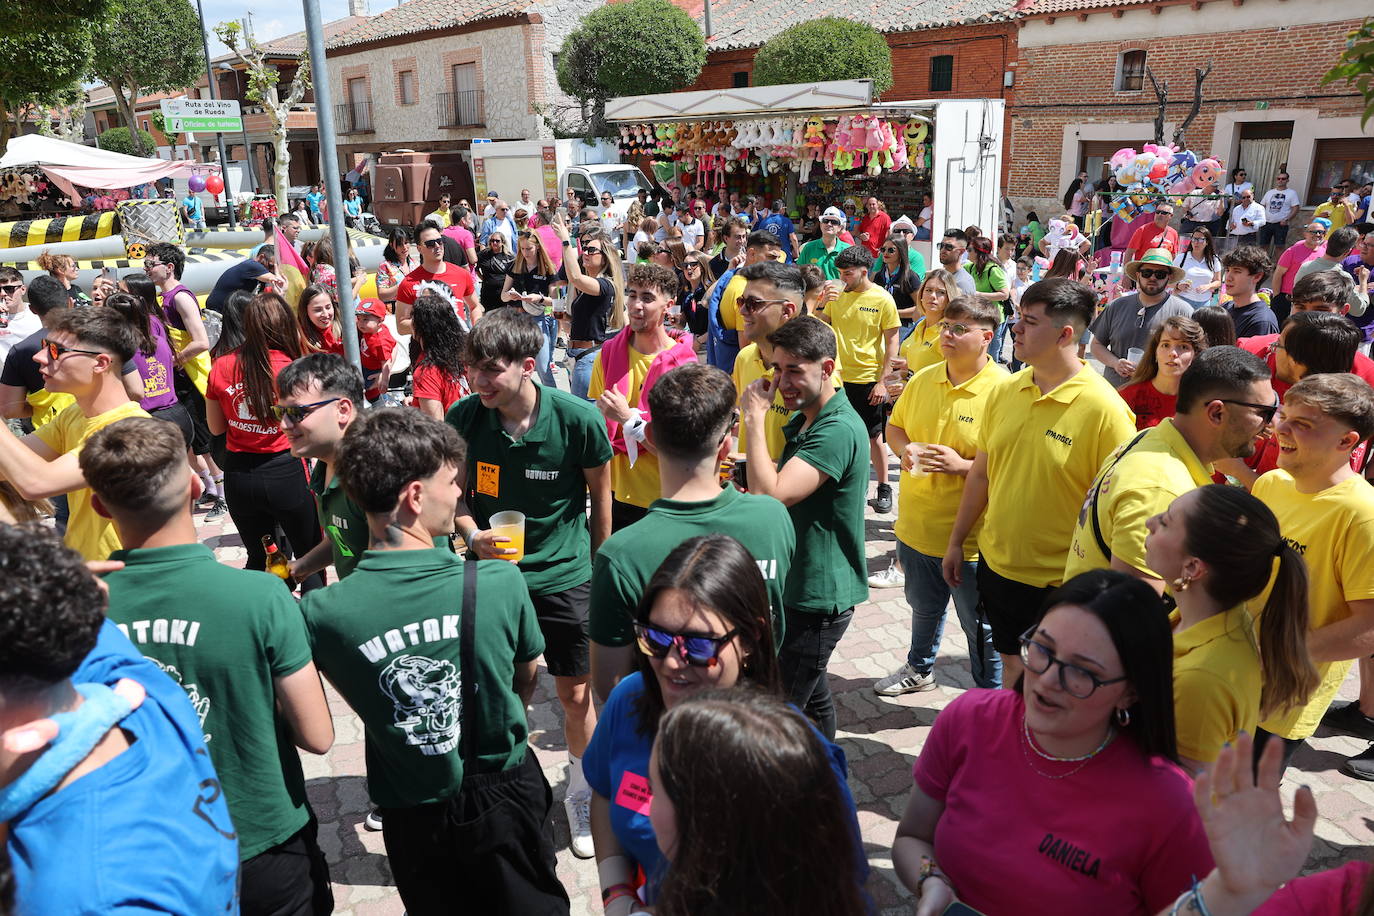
(467, 653)
(1096, 491)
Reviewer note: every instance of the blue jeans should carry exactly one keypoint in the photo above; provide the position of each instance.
(807, 644)
(581, 378)
(549, 325)
(928, 595)
(995, 348)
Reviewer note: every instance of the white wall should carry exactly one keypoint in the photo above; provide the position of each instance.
(1142, 24)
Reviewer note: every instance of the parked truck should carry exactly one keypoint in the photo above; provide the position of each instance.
(549, 168)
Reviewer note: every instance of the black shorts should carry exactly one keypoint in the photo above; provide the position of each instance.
(1010, 608)
(177, 415)
(194, 402)
(874, 416)
(563, 621)
(624, 514)
(290, 879)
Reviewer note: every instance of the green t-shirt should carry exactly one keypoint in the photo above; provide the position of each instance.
(813, 252)
(830, 522)
(387, 637)
(345, 522)
(541, 475)
(991, 280)
(630, 557)
(224, 634)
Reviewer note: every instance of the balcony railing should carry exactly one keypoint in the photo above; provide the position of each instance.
(353, 118)
(461, 109)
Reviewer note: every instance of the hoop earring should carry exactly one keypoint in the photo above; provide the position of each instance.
(1123, 716)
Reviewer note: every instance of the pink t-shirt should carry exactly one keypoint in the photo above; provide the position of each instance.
(1293, 258)
(462, 236)
(1119, 836)
(1335, 892)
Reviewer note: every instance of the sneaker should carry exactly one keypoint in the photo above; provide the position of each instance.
(1361, 766)
(889, 578)
(579, 809)
(882, 503)
(217, 510)
(373, 821)
(1347, 718)
(207, 499)
(904, 680)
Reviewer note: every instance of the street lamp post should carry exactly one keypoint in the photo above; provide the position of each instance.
(219, 137)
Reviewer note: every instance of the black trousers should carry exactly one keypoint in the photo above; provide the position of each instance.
(487, 850)
(290, 879)
(808, 641)
(267, 491)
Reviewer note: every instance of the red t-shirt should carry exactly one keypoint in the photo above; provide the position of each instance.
(1151, 236)
(1118, 835)
(876, 225)
(1262, 346)
(1148, 403)
(434, 384)
(457, 280)
(246, 433)
(331, 342)
(375, 349)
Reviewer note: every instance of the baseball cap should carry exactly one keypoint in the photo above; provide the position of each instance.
(373, 307)
(834, 213)
(492, 195)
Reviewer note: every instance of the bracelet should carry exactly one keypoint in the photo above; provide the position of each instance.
(617, 890)
(930, 870)
(1193, 898)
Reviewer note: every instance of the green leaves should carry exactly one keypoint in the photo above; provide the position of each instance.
(117, 140)
(634, 48)
(1355, 67)
(829, 48)
(149, 46)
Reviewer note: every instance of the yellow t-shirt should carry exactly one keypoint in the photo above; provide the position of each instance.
(729, 309)
(859, 320)
(933, 410)
(88, 533)
(1043, 452)
(922, 347)
(636, 485)
(1334, 532)
(47, 405)
(748, 369)
(1217, 682)
(1337, 213)
(1159, 469)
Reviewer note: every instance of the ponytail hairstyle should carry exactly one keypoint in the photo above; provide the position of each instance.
(1237, 536)
(133, 310)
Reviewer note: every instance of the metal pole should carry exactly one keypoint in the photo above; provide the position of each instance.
(706, 19)
(329, 160)
(247, 147)
(219, 137)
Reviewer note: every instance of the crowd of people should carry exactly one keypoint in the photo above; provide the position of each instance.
(1159, 560)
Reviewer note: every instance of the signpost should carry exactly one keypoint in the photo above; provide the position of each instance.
(218, 115)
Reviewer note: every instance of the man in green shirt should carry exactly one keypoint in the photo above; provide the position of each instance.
(693, 408)
(235, 642)
(539, 451)
(823, 251)
(822, 478)
(439, 681)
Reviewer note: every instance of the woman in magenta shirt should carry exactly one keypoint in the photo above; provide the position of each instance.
(1063, 794)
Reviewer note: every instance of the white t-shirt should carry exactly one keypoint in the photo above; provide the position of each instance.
(19, 327)
(1280, 204)
(924, 219)
(1235, 190)
(1254, 213)
(692, 233)
(1197, 273)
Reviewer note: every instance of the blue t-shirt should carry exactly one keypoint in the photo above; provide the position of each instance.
(616, 765)
(242, 276)
(783, 228)
(147, 832)
(354, 206)
(312, 200)
(193, 208)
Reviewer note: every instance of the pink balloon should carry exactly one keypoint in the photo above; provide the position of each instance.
(214, 184)
(196, 184)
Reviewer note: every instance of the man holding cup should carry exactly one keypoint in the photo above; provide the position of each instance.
(934, 430)
(1123, 329)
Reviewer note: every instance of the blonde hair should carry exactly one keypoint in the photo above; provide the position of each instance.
(543, 263)
(945, 280)
(611, 270)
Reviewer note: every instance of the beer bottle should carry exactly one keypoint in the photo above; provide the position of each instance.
(276, 561)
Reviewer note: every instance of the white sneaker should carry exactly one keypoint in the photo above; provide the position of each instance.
(373, 821)
(889, 578)
(579, 809)
(904, 680)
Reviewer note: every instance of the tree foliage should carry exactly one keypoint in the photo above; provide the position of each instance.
(1355, 67)
(828, 48)
(147, 46)
(37, 72)
(53, 17)
(117, 140)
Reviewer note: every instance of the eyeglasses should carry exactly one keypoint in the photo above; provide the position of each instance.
(696, 649)
(147, 263)
(433, 243)
(1317, 232)
(1164, 213)
(298, 412)
(750, 304)
(10, 289)
(1151, 274)
(958, 330)
(831, 222)
(56, 351)
(1076, 681)
(1266, 411)
(948, 246)
(889, 250)
(903, 232)
(1198, 238)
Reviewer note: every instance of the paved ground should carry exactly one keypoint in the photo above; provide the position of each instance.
(881, 737)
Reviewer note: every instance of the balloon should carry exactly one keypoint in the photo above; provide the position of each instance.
(196, 184)
(214, 184)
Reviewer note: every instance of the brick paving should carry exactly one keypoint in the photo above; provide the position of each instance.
(881, 737)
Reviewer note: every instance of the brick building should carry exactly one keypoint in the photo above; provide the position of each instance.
(1082, 91)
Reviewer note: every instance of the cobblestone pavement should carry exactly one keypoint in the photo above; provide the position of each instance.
(881, 737)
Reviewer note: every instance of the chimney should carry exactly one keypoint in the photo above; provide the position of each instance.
(357, 7)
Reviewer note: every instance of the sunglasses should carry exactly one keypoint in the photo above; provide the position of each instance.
(831, 222)
(695, 649)
(889, 251)
(748, 305)
(56, 351)
(902, 232)
(1151, 274)
(1164, 213)
(947, 246)
(592, 251)
(9, 290)
(1266, 411)
(298, 412)
(433, 243)
(1317, 232)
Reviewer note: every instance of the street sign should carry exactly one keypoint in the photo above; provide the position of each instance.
(185, 115)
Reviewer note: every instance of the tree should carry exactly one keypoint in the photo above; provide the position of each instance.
(1355, 67)
(1161, 88)
(36, 72)
(27, 18)
(148, 46)
(117, 140)
(640, 47)
(828, 48)
(262, 90)
(64, 119)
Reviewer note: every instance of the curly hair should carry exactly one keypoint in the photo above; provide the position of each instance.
(51, 609)
(442, 338)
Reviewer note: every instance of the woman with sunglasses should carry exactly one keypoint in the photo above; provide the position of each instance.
(398, 259)
(1219, 547)
(694, 280)
(702, 622)
(1152, 391)
(1201, 269)
(1065, 792)
(598, 301)
(493, 270)
(317, 314)
(893, 272)
(264, 486)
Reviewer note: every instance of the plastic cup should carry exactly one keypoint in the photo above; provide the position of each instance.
(916, 469)
(510, 524)
(1135, 355)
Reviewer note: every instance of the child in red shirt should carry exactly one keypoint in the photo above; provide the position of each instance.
(375, 346)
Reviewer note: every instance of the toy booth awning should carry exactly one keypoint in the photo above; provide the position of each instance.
(91, 167)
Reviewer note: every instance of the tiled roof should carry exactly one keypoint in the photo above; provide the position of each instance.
(1054, 7)
(295, 42)
(415, 16)
(749, 23)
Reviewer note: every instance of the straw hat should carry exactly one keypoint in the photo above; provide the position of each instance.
(1156, 257)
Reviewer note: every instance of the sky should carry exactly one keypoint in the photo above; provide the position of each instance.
(275, 19)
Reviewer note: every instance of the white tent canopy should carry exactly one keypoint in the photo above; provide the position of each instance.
(91, 167)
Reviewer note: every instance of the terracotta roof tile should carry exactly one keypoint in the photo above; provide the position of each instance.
(415, 16)
(1051, 7)
(749, 23)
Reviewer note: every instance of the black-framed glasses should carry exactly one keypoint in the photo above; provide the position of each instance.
(831, 221)
(1266, 411)
(748, 305)
(1151, 274)
(889, 250)
(958, 330)
(903, 231)
(298, 412)
(1164, 213)
(9, 289)
(433, 243)
(948, 246)
(1076, 681)
(56, 351)
(1317, 232)
(697, 649)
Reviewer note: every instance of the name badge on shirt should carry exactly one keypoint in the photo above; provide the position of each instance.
(634, 793)
(489, 479)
